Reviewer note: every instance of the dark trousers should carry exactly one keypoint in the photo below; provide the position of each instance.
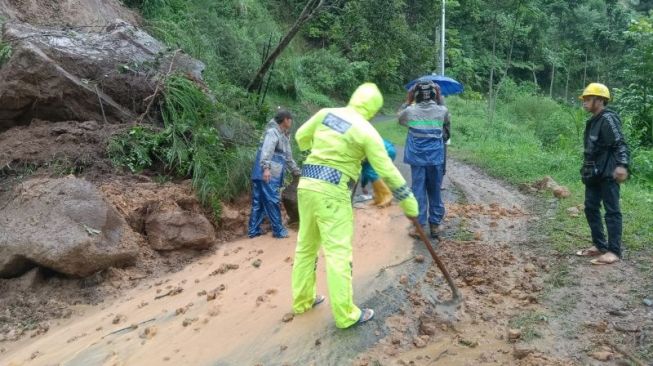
(607, 191)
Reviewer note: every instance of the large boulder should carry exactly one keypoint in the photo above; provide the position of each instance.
(65, 225)
(70, 74)
(168, 215)
(81, 13)
(177, 229)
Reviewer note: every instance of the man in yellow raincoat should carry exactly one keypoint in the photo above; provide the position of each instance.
(339, 139)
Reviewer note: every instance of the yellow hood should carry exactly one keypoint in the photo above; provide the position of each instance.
(366, 100)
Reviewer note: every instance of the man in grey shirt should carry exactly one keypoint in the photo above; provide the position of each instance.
(272, 159)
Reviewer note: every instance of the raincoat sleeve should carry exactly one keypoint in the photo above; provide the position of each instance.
(270, 142)
(377, 155)
(304, 135)
(447, 127)
(403, 117)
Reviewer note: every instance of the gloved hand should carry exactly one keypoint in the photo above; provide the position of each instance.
(409, 205)
(382, 194)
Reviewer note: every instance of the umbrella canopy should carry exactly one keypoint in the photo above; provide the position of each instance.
(448, 86)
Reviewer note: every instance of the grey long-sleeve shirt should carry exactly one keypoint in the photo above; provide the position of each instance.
(276, 141)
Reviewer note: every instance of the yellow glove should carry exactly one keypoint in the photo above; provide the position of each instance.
(382, 194)
(409, 205)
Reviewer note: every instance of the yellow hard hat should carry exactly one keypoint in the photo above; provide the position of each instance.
(596, 89)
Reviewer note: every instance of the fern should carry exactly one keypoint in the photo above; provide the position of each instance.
(5, 52)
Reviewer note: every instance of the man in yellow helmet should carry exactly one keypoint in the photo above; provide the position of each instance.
(605, 166)
(339, 139)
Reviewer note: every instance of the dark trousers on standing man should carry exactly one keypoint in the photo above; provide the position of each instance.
(606, 191)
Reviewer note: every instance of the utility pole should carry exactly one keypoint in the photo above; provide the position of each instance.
(442, 41)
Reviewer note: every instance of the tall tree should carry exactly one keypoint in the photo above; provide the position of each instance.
(310, 10)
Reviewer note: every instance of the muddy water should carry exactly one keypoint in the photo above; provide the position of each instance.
(243, 326)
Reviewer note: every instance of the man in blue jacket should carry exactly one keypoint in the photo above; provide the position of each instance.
(272, 158)
(428, 129)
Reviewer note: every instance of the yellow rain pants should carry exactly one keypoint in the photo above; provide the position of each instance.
(339, 139)
(328, 222)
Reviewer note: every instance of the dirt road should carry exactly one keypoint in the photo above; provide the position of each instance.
(227, 308)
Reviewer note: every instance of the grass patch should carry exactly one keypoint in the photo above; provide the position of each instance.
(513, 148)
(560, 276)
(564, 305)
(517, 147)
(528, 324)
(392, 131)
(462, 233)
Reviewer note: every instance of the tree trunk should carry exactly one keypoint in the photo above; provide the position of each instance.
(585, 71)
(553, 75)
(436, 45)
(490, 96)
(567, 86)
(311, 8)
(508, 59)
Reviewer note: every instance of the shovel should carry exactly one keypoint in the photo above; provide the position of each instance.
(420, 231)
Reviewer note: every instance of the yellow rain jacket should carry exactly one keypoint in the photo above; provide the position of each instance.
(339, 139)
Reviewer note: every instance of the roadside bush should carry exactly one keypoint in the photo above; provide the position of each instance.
(642, 167)
(189, 145)
(530, 108)
(310, 97)
(508, 90)
(556, 131)
(135, 149)
(331, 74)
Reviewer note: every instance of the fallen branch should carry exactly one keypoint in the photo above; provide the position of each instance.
(104, 116)
(172, 292)
(156, 89)
(440, 355)
(131, 327)
(383, 269)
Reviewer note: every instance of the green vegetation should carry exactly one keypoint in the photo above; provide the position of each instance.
(528, 323)
(560, 276)
(5, 52)
(532, 137)
(507, 54)
(189, 145)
